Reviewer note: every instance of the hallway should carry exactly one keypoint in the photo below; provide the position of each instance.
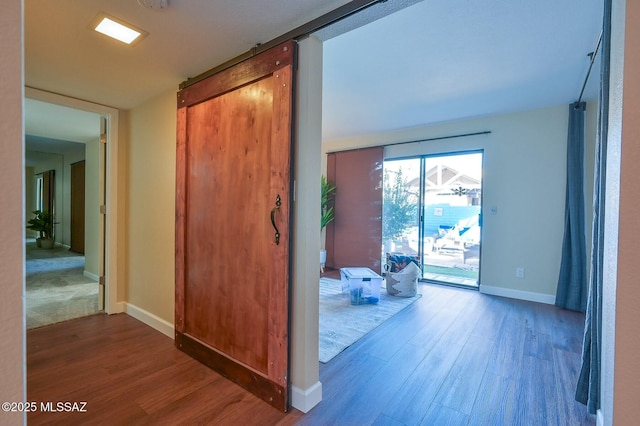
(56, 289)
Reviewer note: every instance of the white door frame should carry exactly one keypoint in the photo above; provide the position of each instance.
(111, 267)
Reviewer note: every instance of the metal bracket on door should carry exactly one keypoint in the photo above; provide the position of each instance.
(273, 218)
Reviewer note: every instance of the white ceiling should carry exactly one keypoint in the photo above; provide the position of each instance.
(438, 60)
(47, 120)
(444, 60)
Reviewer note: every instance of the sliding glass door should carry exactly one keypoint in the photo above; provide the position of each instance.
(432, 210)
(401, 194)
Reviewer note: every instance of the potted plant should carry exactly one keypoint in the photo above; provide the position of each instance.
(327, 213)
(400, 208)
(42, 223)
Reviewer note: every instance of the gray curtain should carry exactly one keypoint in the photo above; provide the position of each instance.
(588, 389)
(572, 289)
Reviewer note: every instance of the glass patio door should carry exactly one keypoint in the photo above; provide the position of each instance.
(401, 194)
(452, 218)
(432, 210)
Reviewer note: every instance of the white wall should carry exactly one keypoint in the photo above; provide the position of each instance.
(524, 176)
(92, 201)
(150, 206)
(306, 387)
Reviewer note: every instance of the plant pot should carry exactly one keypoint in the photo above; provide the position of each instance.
(45, 243)
(323, 259)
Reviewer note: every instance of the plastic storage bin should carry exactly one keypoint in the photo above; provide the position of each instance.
(362, 284)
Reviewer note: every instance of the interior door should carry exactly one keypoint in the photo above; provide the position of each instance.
(232, 222)
(77, 207)
(49, 191)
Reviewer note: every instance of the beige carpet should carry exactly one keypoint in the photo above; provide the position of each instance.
(56, 289)
(343, 324)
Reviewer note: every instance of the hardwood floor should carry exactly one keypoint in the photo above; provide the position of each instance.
(455, 357)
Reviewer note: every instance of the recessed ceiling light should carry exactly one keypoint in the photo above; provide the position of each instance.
(154, 4)
(118, 29)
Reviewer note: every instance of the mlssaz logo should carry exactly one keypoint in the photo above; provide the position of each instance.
(78, 407)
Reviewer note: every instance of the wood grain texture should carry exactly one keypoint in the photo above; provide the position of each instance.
(181, 213)
(228, 240)
(131, 374)
(458, 357)
(234, 168)
(280, 253)
(251, 380)
(245, 72)
(77, 207)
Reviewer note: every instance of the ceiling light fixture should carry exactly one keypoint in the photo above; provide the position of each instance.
(154, 4)
(118, 29)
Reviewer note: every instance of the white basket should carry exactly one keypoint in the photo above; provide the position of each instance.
(405, 282)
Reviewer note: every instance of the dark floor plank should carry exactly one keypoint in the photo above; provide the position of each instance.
(537, 344)
(567, 369)
(364, 405)
(409, 323)
(129, 373)
(455, 356)
(439, 415)
(536, 396)
(460, 389)
(383, 420)
(345, 390)
(489, 325)
(505, 358)
(495, 403)
(411, 402)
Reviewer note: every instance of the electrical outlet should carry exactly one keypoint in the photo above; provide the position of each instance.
(519, 272)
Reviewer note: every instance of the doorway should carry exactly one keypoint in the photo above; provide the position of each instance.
(62, 278)
(432, 210)
(66, 119)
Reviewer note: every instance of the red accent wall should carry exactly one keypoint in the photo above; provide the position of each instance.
(354, 238)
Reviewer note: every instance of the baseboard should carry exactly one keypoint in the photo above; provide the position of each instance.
(150, 319)
(91, 276)
(305, 400)
(118, 308)
(518, 294)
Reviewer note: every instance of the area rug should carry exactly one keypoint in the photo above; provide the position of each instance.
(343, 324)
(56, 288)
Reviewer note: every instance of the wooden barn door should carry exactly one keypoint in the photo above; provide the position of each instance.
(233, 222)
